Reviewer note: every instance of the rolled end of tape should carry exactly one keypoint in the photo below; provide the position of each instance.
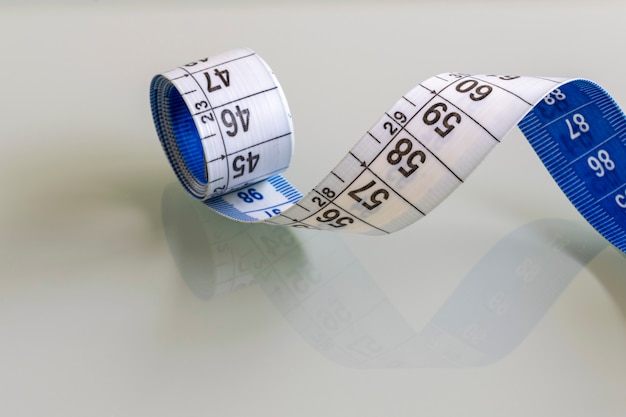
(179, 136)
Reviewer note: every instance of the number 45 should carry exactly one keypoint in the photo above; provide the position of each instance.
(242, 164)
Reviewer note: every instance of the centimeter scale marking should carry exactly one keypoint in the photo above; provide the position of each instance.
(226, 128)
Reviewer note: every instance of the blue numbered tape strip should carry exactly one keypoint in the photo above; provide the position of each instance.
(226, 129)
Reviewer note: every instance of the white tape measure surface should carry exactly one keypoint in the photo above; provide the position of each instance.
(225, 126)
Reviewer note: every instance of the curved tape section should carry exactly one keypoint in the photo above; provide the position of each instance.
(226, 128)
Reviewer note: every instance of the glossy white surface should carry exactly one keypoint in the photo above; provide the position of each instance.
(118, 298)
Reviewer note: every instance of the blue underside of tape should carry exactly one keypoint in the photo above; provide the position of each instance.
(566, 149)
(187, 138)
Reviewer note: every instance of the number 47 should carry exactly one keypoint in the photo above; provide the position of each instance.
(224, 77)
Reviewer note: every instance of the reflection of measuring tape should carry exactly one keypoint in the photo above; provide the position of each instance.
(319, 286)
(226, 128)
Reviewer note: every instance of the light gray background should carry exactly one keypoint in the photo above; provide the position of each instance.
(95, 316)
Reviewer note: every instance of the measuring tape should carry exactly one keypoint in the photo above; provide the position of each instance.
(226, 129)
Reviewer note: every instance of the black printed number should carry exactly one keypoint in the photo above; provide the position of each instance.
(232, 121)
(414, 159)
(375, 198)
(206, 118)
(242, 164)
(216, 80)
(388, 126)
(400, 118)
(438, 111)
(334, 219)
(476, 92)
(201, 105)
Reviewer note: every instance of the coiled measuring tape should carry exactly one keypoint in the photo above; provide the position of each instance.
(226, 129)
